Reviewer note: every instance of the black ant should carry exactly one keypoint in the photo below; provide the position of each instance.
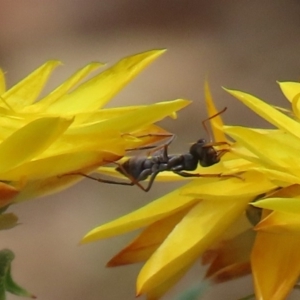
(139, 168)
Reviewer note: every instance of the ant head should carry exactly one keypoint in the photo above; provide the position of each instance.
(207, 155)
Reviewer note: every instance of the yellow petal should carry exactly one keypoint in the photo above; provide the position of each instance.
(157, 292)
(148, 241)
(279, 178)
(103, 114)
(275, 265)
(267, 112)
(30, 140)
(97, 91)
(132, 121)
(154, 211)
(201, 226)
(296, 106)
(216, 122)
(253, 184)
(289, 89)
(27, 90)
(56, 165)
(109, 141)
(2, 82)
(41, 105)
(266, 147)
(280, 222)
(289, 205)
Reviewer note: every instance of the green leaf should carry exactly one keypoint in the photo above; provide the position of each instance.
(6, 281)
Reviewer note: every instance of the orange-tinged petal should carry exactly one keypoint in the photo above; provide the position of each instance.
(280, 222)
(97, 91)
(42, 105)
(154, 211)
(2, 83)
(216, 122)
(275, 264)
(290, 89)
(148, 241)
(201, 227)
(57, 165)
(267, 112)
(7, 193)
(31, 140)
(231, 257)
(27, 90)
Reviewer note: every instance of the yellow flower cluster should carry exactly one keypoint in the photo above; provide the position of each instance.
(207, 216)
(69, 131)
(42, 143)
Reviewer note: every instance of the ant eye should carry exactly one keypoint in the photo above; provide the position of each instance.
(201, 141)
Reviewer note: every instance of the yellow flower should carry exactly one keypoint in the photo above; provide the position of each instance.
(68, 130)
(207, 216)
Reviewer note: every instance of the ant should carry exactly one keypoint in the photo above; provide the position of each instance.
(139, 168)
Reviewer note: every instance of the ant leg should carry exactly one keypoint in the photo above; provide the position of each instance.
(220, 153)
(211, 117)
(212, 144)
(151, 181)
(102, 180)
(155, 148)
(133, 180)
(220, 175)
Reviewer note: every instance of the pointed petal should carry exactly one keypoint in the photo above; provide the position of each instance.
(201, 226)
(157, 292)
(2, 82)
(275, 264)
(7, 194)
(216, 122)
(27, 90)
(289, 89)
(44, 103)
(148, 241)
(57, 165)
(230, 189)
(267, 148)
(230, 253)
(135, 120)
(280, 222)
(31, 140)
(288, 205)
(154, 211)
(267, 112)
(97, 91)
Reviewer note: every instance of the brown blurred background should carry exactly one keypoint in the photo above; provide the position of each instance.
(246, 45)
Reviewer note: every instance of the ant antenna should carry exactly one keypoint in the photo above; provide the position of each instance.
(211, 117)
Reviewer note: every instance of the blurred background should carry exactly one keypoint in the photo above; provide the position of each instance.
(246, 45)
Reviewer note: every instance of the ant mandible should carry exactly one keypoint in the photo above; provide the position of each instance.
(139, 168)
